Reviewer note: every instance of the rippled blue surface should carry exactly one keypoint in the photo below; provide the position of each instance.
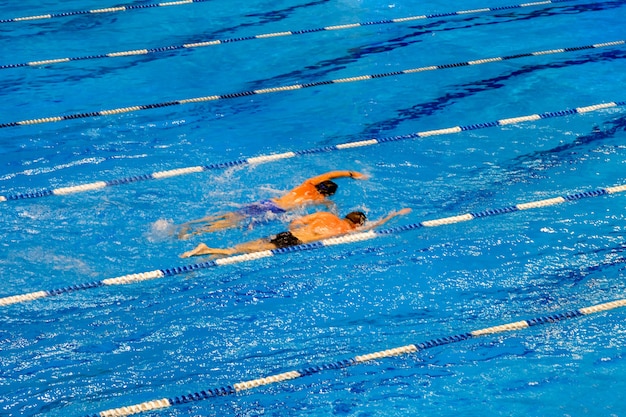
(88, 351)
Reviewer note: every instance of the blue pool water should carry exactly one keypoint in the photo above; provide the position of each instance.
(92, 350)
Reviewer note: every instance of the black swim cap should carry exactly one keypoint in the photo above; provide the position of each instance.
(357, 217)
(326, 188)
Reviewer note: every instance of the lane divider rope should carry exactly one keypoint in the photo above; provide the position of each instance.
(286, 155)
(115, 9)
(359, 78)
(350, 238)
(214, 42)
(357, 360)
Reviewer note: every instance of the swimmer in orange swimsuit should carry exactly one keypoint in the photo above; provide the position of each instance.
(311, 228)
(315, 190)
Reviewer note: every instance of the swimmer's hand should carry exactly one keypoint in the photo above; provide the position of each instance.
(403, 212)
(386, 219)
(358, 176)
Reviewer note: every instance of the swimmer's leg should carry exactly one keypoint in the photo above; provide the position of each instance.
(247, 247)
(184, 232)
(226, 221)
(255, 246)
(203, 249)
(215, 223)
(205, 219)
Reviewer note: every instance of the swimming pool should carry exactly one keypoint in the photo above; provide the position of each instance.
(86, 350)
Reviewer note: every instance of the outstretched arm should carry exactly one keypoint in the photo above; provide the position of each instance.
(337, 174)
(385, 219)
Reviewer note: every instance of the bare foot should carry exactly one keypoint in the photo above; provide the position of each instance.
(201, 249)
(183, 234)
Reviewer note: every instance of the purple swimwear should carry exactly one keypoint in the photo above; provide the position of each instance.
(260, 208)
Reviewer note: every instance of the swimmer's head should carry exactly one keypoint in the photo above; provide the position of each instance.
(357, 218)
(326, 188)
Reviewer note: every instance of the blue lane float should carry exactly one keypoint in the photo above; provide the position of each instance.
(356, 360)
(349, 238)
(115, 9)
(287, 155)
(278, 89)
(214, 42)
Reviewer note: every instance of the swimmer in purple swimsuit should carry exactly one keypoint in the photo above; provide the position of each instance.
(315, 190)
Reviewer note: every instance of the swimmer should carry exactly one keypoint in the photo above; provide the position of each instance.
(311, 228)
(315, 190)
